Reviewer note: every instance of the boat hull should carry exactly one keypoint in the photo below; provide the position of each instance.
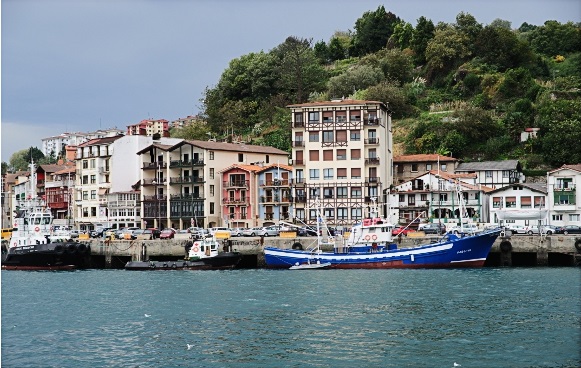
(452, 252)
(220, 262)
(51, 256)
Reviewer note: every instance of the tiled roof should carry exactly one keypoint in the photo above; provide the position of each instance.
(49, 168)
(537, 187)
(282, 166)
(104, 140)
(576, 167)
(423, 158)
(163, 147)
(489, 165)
(336, 103)
(223, 146)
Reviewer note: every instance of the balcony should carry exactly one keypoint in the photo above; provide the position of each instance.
(154, 198)
(297, 162)
(147, 182)
(104, 170)
(186, 180)
(236, 184)
(372, 121)
(300, 199)
(269, 199)
(154, 165)
(235, 202)
(371, 141)
(185, 163)
(298, 124)
(185, 196)
(564, 188)
(298, 143)
(372, 179)
(372, 161)
(274, 183)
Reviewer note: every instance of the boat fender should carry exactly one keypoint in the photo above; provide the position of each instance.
(88, 249)
(71, 248)
(82, 248)
(58, 249)
(374, 245)
(152, 265)
(297, 246)
(188, 246)
(505, 246)
(174, 266)
(578, 245)
(165, 265)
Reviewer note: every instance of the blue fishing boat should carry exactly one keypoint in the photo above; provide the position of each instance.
(370, 244)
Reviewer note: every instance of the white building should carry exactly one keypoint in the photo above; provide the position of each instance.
(519, 204)
(563, 188)
(342, 155)
(54, 145)
(494, 174)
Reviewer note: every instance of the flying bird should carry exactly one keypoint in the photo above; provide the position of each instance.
(190, 346)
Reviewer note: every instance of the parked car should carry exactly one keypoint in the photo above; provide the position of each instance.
(155, 232)
(568, 229)
(98, 233)
(74, 234)
(214, 229)
(271, 231)
(253, 231)
(549, 229)
(238, 231)
(544, 229)
(401, 230)
(517, 229)
(465, 229)
(434, 228)
(167, 234)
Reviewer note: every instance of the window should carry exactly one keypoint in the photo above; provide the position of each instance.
(342, 213)
(329, 213)
(411, 199)
(211, 190)
(564, 183)
(328, 136)
(314, 155)
(510, 202)
(506, 173)
(313, 117)
(313, 136)
(328, 174)
(539, 202)
(373, 153)
(342, 192)
(341, 136)
(564, 198)
(401, 198)
(557, 217)
(342, 173)
(443, 197)
(314, 174)
(355, 154)
(414, 167)
(267, 159)
(93, 211)
(341, 154)
(428, 167)
(211, 173)
(356, 192)
(488, 174)
(443, 167)
(240, 157)
(92, 163)
(93, 179)
(327, 155)
(300, 213)
(211, 154)
(525, 202)
(85, 212)
(328, 193)
(574, 217)
(298, 117)
(496, 202)
(85, 179)
(85, 164)
(356, 173)
(313, 193)
(85, 195)
(423, 197)
(355, 135)
(93, 194)
(356, 213)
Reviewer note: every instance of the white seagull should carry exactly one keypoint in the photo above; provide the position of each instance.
(190, 346)
(457, 365)
(147, 315)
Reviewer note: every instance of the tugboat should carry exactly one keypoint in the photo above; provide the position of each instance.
(202, 254)
(33, 246)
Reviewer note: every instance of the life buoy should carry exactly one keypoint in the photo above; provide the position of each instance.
(15, 244)
(297, 246)
(196, 249)
(374, 237)
(367, 237)
(505, 246)
(578, 245)
(37, 229)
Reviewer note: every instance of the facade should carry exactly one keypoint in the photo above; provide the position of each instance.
(123, 209)
(433, 197)
(55, 145)
(188, 120)
(494, 174)
(274, 194)
(563, 189)
(519, 204)
(341, 157)
(181, 184)
(60, 193)
(407, 167)
(149, 127)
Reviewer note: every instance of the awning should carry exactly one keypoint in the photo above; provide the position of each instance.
(522, 214)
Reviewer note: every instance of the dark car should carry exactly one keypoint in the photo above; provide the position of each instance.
(568, 229)
(99, 232)
(155, 232)
(434, 228)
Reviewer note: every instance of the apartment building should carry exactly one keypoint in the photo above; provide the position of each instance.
(563, 188)
(274, 194)
(56, 144)
(59, 186)
(181, 184)
(149, 127)
(519, 204)
(408, 167)
(341, 158)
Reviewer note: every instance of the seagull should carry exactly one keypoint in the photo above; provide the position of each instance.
(457, 365)
(147, 315)
(190, 346)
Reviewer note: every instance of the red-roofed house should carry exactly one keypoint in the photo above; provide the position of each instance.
(563, 189)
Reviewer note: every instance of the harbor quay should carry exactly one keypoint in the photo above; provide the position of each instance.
(507, 251)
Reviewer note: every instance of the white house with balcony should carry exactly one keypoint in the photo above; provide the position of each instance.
(563, 189)
(519, 204)
(493, 174)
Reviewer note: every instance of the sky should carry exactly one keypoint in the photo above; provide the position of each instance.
(84, 65)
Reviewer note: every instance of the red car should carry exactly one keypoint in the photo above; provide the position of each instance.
(167, 234)
(400, 230)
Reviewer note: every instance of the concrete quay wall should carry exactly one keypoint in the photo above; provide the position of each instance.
(520, 250)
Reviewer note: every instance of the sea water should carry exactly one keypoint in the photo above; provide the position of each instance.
(489, 317)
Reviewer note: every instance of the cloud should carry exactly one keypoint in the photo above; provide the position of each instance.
(14, 134)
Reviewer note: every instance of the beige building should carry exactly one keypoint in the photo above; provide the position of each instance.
(407, 167)
(181, 184)
(342, 155)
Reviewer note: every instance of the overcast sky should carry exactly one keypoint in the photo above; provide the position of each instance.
(77, 66)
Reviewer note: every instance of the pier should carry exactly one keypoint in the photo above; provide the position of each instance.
(511, 251)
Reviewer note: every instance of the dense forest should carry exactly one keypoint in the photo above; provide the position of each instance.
(464, 89)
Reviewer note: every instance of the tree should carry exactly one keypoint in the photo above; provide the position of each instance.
(402, 34)
(300, 72)
(196, 131)
(357, 77)
(501, 48)
(392, 95)
(394, 63)
(446, 50)
(322, 52)
(422, 34)
(372, 31)
(554, 38)
(20, 160)
(4, 168)
(468, 26)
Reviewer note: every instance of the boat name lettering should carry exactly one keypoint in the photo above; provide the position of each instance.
(464, 251)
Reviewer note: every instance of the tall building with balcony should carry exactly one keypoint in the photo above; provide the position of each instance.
(342, 157)
(563, 188)
(275, 194)
(60, 186)
(181, 184)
